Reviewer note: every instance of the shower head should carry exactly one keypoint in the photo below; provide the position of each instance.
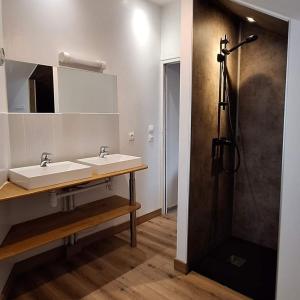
(249, 39)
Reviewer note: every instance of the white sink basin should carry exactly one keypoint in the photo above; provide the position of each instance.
(111, 163)
(36, 177)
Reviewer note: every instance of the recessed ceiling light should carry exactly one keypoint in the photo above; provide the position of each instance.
(251, 20)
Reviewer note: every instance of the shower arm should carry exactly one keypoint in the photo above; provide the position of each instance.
(228, 51)
(249, 39)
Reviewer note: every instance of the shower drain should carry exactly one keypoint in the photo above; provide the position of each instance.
(237, 261)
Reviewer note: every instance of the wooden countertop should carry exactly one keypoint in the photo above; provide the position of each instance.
(10, 191)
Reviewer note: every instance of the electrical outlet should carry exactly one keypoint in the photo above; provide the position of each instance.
(131, 136)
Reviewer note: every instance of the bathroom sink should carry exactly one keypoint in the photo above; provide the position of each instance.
(111, 163)
(37, 177)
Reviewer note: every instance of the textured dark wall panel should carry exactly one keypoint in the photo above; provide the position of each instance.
(261, 108)
(210, 206)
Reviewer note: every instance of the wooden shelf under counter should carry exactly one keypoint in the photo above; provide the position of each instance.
(32, 234)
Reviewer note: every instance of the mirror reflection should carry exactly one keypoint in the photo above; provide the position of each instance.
(34, 88)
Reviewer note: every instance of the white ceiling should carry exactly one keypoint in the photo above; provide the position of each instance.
(263, 20)
(288, 8)
(161, 2)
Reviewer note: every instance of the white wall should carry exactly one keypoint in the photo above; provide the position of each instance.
(4, 147)
(170, 30)
(185, 127)
(289, 242)
(5, 222)
(3, 102)
(66, 136)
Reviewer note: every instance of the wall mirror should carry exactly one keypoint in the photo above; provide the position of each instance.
(34, 88)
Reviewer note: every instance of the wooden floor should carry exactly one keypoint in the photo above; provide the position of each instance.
(112, 270)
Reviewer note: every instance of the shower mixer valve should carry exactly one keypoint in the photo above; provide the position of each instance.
(220, 143)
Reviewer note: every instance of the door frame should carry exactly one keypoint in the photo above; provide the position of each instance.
(162, 123)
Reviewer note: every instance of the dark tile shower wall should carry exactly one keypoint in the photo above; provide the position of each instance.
(210, 206)
(261, 107)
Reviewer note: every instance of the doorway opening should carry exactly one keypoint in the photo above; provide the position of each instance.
(41, 90)
(171, 100)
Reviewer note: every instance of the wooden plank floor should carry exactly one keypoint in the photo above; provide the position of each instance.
(112, 270)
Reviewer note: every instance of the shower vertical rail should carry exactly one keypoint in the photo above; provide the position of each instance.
(222, 103)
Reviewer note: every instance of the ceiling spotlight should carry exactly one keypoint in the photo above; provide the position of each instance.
(251, 20)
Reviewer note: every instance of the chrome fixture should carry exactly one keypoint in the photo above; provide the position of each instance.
(103, 151)
(45, 160)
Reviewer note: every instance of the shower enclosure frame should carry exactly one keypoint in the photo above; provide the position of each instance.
(283, 156)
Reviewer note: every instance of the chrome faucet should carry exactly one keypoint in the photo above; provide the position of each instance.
(45, 160)
(103, 151)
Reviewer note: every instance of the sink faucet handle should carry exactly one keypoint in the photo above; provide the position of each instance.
(45, 159)
(103, 148)
(103, 151)
(45, 155)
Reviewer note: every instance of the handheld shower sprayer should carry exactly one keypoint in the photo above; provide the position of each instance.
(249, 39)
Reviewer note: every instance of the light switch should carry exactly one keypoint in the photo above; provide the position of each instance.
(150, 138)
(151, 129)
(131, 136)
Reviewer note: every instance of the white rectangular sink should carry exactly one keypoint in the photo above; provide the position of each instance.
(111, 163)
(54, 173)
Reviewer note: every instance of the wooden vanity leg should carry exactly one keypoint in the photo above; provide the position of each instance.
(132, 200)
